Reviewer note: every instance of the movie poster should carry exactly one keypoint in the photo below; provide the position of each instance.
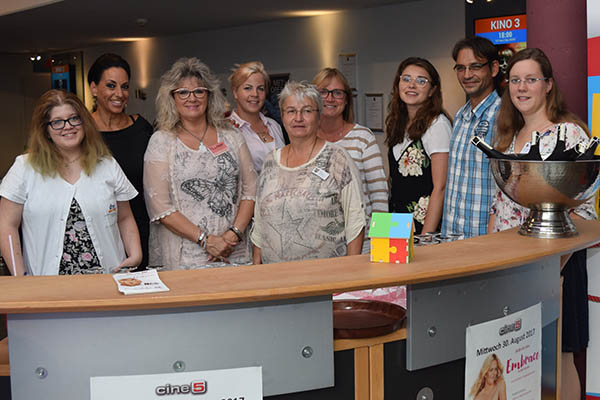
(504, 357)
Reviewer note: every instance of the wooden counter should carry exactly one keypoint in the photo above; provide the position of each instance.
(288, 280)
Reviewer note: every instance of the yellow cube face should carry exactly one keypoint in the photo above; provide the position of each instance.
(380, 250)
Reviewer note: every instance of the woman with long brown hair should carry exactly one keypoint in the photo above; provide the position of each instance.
(531, 103)
(69, 196)
(418, 136)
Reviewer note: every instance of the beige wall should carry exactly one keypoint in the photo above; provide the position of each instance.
(382, 37)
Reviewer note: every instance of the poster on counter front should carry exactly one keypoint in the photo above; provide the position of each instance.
(504, 357)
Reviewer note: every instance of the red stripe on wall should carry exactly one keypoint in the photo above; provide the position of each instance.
(593, 45)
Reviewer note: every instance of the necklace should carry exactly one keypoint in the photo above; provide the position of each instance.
(287, 159)
(200, 139)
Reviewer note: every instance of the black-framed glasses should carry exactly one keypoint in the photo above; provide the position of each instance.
(183, 93)
(336, 93)
(419, 80)
(59, 124)
(473, 67)
(528, 81)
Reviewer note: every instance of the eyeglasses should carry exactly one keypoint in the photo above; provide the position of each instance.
(528, 81)
(336, 93)
(59, 124)
(183, 93)
(473, 67)
(292, 112)
(419, 80)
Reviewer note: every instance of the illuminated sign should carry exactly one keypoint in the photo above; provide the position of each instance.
(503, 30)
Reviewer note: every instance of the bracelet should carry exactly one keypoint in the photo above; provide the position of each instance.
(201, 237)
(237, 232)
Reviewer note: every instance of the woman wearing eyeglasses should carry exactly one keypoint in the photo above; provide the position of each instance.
(125, 135)
(199, 179)
(418, 135)
(337, 126)
(533, 103)
(250, 85)
(308, 203)
(69, 196)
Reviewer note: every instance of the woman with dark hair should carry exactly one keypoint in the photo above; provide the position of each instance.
(198, 174)
(533, 103)
(69, 196)
(418, 135)
(126, 135)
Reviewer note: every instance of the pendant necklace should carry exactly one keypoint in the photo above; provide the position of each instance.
(198, 138)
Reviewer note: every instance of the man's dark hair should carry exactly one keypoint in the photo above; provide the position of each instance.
(482, 48)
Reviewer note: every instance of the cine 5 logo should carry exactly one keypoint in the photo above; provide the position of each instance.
(199, 387)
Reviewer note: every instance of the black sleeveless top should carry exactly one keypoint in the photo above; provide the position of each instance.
(411, 182)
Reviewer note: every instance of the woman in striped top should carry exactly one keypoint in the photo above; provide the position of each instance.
(337, 125)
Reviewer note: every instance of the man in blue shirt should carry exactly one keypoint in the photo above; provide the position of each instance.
(470, 185)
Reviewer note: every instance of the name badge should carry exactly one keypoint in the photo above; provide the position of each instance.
(320, 173)
(218, 148)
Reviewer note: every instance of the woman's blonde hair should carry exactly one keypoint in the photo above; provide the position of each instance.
(167, 116)
(242, 72)
(487, 365)
(327, 74)
(44, 156)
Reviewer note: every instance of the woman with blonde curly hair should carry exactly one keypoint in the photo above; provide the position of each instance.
(490, 384)
(418, 135)
(198, 176)
(250, 85)
(69, 196)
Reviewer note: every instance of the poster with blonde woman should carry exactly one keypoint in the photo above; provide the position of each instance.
(504, 357)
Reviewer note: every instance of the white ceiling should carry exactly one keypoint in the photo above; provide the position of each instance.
(73, 24)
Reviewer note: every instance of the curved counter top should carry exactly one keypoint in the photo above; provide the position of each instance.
(50, 294)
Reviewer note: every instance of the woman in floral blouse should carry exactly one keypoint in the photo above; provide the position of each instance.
(418, 136)
(533, 103)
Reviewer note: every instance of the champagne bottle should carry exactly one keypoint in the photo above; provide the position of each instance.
(489, 151)
(588, 153)
(534, 149)
(559, 153)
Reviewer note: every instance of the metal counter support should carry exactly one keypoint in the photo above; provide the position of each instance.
(52, 356)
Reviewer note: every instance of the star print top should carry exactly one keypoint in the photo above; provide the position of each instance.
(310, 211)
(206, 189)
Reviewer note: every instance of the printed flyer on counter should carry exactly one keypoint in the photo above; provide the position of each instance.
(504, 357)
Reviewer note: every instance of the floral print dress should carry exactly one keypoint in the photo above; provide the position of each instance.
(79, 255)
(411, 182)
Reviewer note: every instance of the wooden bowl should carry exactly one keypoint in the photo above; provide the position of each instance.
(353, 319)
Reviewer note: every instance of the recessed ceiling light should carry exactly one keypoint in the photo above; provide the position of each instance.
(309, 13)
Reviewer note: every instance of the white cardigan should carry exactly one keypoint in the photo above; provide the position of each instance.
(46, 202)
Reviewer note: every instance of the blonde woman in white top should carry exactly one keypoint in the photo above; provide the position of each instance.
(250, 85)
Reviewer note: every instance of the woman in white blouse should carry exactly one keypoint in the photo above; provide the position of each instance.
(69, 196)
(250, 85)
(199, 181)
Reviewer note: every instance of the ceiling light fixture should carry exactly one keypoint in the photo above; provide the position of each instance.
(309, 13)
